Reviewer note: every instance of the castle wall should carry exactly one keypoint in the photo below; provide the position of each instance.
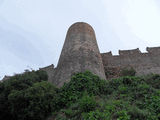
(80, 53)
(50, 72)
(143, 63)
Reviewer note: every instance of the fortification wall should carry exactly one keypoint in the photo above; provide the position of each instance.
(80, 53)
(50, 71)
(143, 63)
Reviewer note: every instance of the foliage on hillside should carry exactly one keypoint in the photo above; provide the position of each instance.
(26, 97)
(85, 97)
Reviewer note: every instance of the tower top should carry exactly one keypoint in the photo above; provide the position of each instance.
(81, 27)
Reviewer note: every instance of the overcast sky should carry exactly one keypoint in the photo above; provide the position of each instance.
(32, 32)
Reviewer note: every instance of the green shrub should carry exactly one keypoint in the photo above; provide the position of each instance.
(153, 104)
(153, 80)
(122, 115)
(34, 103)
(95, 115)
(68, 113)
(81, 82)
(87, 103)
(13, 100)
(86, 96)
(122, 89)
(137, 113)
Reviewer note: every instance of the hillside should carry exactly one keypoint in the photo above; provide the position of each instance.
(86, 97)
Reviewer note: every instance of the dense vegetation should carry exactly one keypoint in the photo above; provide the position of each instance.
(85, 97)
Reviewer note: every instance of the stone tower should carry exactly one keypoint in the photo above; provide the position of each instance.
(80, 53)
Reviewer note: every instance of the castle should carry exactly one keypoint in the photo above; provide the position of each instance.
(80, 53)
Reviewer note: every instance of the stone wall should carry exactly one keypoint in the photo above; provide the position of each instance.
(50, 71)
(143, 63)
(80, 53)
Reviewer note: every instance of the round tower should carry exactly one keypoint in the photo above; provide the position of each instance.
(80, 53)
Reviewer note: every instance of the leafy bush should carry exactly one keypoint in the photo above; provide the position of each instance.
(135, 113)
(36, 102)
(26, 96)
(87, 103)
(80, 83)
(85, 97)
(122, 115)
(153, 104)
(95, 115)
(153, 80)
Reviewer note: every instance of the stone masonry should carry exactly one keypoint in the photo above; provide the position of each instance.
(143, 63)
(80, 53)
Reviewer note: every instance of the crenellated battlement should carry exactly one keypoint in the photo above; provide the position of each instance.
(134, 52)
(143, 63)
(129, 52)
(153, 50)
